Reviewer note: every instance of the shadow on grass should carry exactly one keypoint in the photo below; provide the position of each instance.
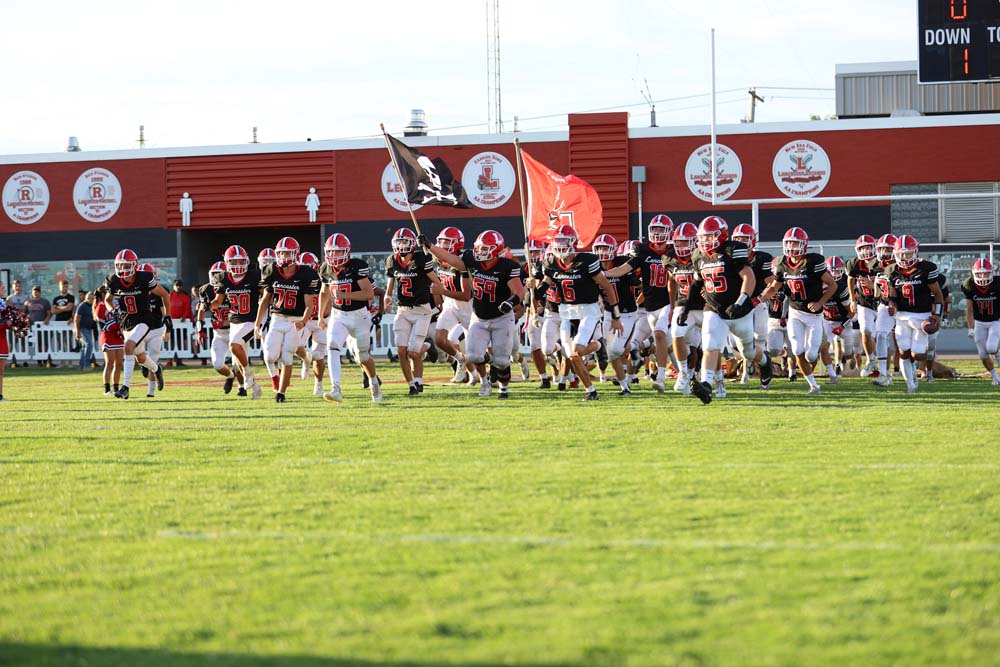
(45, 655)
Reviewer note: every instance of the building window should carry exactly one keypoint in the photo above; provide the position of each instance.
(972, 220)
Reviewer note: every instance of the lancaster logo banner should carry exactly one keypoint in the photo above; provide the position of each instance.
(426, 181)
(555, 200)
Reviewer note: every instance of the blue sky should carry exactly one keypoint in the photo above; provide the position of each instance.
(206, 73)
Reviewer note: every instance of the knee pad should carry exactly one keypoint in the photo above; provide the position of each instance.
(502, 373)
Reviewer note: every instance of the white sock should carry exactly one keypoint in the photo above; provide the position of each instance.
(248, 379)
(882, 366)
(591, 389)
(333, 363)
(417, 380)
(906, 369)
(811, 379)
(231, 374)
(831, 370)
(720, 376)
(543, 376)
(271, 367)
(994, 373)
(127, 372)
(684, 367)
(151, 387)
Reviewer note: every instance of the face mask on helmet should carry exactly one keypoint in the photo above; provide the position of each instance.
(403, 245)
(707, 243)
(905, 257)
(483, 252)
(865, 251)
(605, 253)
(982, 273)
(563, 246)
(216, 272)
(659, 234)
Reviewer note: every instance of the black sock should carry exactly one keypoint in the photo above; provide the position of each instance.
(107, 387)
(116, 386)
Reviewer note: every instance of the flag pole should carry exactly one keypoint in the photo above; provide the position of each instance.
(524, 213)
(399, 177)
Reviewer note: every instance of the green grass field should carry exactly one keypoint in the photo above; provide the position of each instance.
(859, 527)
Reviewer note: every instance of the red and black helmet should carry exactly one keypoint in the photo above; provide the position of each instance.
(795, 242)
(711, 234)
(660, 230)
(126, 264)
(905, 250)
(489, 245)
(864, 247)
(685, 239)
(404, 241)
(564, 241)
(746, 235)
(287, 252)
(237, 261)
(605, 246)
(982, 272)
(536, 250)
(266, 257)
(309, 259)
(884, 247)
(835, 265)
(216, 271)
(451, 239)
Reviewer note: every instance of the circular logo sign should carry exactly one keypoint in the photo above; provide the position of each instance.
(392, 190)
(25, 197)
(801, 169)
(97, 194)
(489, 180)
(728, 172)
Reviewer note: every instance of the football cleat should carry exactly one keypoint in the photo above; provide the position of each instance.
(911, 387)
(814, 389)
(702, 391)
(364, 380)
(574, 383)
(766, 372)
(122, 392)
(615, 381)
(317, 389)
(376, 391)
(159, 377)
(279, 398)
(996, 381)
(334, 395)
(561, 386)
(150, 395)
(413, 391)
(242, 391)
(625, 392)
(485, 389)
(546, 383)
(833, 379)
(868, 369)
(228, 386)
(255, 391)
(525, 373)
(683, 384)
(591, 396)
(144, 371)
(503, 395)
(419, 386)
(720, 390)
(461, 375)
(658, 386)
(304, 371)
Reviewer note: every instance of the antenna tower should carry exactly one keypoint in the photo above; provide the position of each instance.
(493, 65)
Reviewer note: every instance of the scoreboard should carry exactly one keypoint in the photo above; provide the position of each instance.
(959, 40)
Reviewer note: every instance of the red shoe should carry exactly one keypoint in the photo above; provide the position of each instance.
(574, 384)
(274, 382)
(170, 364)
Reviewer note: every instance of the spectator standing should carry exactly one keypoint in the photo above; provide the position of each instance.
(17, 296)
(83, 326)
(63, 303)
(39, 310)
(180, 310)
(197, 316)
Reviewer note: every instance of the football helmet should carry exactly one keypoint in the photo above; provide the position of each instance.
(337, 250)
(309, 259)
(266, 257)
(451, 239)
(711, 234)
(404, 241)
(864, 247)
(488, 246)
(884, 247)
(746, 235)
(287, 252)
(627, 247)
(605, 247)
(126, 263)
(904, 251)
(835, 265)
(237, 261)
(216, 271)
(685, 239)
(982, 272)
(795, 242)
(564, 241)
(660, 230)
(147, 267)
(536, 250)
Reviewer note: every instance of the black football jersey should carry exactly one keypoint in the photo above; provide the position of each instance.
(762, 265)
(451, 278)
(413, 287)
(346, 279)
(881, 273)
(489, 284)
(653, 274)
(985, 300)
(243, 296)
(802, 280)
(777, 308)
(551, 293)
(155, 311)
(575, 280)
(913, 287)
(864, 282)
(625, 287)
(942, 281)
(838, 308)
(683, 273)
(719, 275)
(220, 316)
(290, 295)
(134, 298)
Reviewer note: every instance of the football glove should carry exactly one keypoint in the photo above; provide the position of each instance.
(682, 316)
(972, 333)
(423, 242)
(736, 311)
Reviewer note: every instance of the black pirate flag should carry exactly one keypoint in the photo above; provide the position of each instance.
(426, 181)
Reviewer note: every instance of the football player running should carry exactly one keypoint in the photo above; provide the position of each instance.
(410, 274)
(161, 327)
(651, 259)
(724, 274)
(131, 289)
(456, 307)
(885, 320)
(578, 277)
(688, 305)
(312, 341)
(496, 291)
(287, 288)
(837, 316)
(982, 314)
(239, 286)
(761, 263)
(605, 247)
(347, 295)
(533, 320)
(266, 258)
(861, 285)
(916, 299)
(808, 286)
(220, 329)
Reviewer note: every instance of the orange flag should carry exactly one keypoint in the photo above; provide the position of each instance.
(555, 200)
